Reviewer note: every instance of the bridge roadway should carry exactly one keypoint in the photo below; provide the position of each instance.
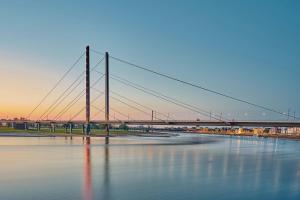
(171, 123)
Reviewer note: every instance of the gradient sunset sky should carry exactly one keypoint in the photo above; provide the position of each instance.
(247, 49)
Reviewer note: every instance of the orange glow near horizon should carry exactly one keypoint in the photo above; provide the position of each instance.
(18, 92)
(24, 82)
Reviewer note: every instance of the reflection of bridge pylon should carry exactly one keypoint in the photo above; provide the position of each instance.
(87, 192)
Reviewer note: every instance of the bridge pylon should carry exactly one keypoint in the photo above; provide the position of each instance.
(107, 96)
(87, 91)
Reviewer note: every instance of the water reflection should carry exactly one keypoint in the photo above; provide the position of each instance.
(233, 168)
(87, 193)
(106, 179)
(88, 182)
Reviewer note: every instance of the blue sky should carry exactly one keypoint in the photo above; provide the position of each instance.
(247, 49)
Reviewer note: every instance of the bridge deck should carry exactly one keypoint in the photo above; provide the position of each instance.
(173, 123)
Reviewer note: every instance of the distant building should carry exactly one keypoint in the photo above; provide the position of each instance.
(244, 131)
(275, 130)
(293, 130)
(19, 126)
(284, 130)
(266, 130)
(258, 131)
(3, 124)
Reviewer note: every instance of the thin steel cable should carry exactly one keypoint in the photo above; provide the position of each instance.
(102, 110)
(134, 107)
(193, 108)
(201, 87)
(59, 100)
(97, 52)
(115, 110)
(74, 116)
(110, 107)
(96, 114)
(55, 86)
(168, 100)
(124, 103)
(99, 110)
(62, 94)
(71, 104)
(75, 100)
(144, 106)
(78, 113)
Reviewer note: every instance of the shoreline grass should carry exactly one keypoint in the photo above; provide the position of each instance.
(60, 132)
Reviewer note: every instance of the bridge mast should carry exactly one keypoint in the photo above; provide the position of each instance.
(107, 96)
(87, 91)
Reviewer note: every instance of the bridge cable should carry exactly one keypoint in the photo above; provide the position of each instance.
(56, 84)
(74, 116)
(55, 104)
(158, 93)
(97, 113)
(97, 52)
(111, 107)
(99, 110)
(136, 108)
(137, 103)
(102, 110)
(115, 110)
(131, 106)
(72, 103)
(51, 108)
(201, 87)
(75, 100)
(132, 84)
(169, 99)
(69, 105)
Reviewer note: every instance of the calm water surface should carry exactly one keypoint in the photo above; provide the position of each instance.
(185, 167)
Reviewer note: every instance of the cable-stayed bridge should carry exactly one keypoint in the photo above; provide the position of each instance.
(54, 113)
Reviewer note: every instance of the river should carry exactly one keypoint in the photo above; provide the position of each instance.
(135, 168)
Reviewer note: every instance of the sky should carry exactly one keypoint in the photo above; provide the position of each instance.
(246, 49)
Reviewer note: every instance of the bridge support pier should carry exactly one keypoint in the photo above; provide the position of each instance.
(87, 129)
(83, 128)
(52, 127)
(70, 128)
(38, 127)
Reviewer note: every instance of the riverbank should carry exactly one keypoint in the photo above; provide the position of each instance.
(10, 132)
(265, 135)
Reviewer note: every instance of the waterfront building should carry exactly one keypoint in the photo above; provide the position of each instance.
(258, 131)
(275, 130)
(244, 131)
(293, 130)
(284, 130)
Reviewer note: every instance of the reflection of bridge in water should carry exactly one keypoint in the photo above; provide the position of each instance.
(88, 187)
(233, 161)
(88, 172)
